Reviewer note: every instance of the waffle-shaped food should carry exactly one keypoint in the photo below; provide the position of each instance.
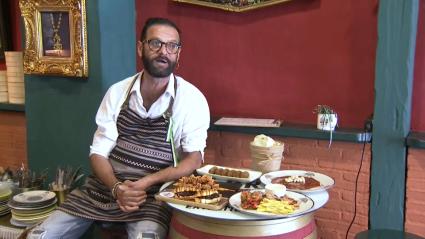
(201, 189)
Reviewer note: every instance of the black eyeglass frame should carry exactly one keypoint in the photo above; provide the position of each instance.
(167, 45)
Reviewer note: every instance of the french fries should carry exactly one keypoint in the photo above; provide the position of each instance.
(276, 206)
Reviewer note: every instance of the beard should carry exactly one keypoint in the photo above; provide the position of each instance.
(155, 71)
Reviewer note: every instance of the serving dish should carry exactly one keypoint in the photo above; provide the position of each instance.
(253, 175)
(325, 181)
(305, 204)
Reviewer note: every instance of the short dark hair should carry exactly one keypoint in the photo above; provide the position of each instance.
(157, 21)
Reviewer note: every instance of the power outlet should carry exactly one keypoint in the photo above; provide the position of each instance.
(368, 124)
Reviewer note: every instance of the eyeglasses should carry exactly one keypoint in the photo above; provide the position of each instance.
(156, 45)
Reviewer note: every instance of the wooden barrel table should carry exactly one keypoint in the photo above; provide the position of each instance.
(188, 226)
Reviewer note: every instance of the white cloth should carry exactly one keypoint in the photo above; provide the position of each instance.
(191, 117)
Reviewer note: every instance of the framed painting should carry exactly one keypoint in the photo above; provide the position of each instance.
(55, 37)
(234, 5)
(5, 39)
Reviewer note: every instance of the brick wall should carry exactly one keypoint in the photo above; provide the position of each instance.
(341, 161)
(415, 192)
(13, 139)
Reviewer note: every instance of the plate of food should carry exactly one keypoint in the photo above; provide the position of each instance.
(299, 180)
(264, 204)
(229, 174)
(196, 191)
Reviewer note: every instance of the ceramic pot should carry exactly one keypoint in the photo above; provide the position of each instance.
(327, 121)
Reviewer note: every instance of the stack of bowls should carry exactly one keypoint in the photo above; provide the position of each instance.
(4, 97)
(32, 207)
(15, 77)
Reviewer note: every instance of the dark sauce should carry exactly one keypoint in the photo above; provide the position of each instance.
(309, 183)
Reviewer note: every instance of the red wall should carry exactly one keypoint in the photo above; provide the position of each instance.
(15, 14)
(280, 61)
(418, 101)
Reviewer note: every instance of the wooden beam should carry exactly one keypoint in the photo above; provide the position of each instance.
(397, 24)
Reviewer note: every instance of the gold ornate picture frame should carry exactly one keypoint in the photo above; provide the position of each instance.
(55, 37)
(234, 5)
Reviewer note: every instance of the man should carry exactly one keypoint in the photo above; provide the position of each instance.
(152, 128)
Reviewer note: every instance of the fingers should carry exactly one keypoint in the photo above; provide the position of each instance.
(126, 207)
(129, 208)
(128, 198)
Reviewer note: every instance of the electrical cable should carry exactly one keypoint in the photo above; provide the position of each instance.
(355, 190)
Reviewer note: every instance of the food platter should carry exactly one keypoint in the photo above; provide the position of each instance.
(37, 196)
(325, 181)
(165, 196)
(229, 213)
(305, 204)
(253, 175)
(217, 200)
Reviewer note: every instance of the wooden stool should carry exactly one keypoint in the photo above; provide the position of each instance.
(386, 234)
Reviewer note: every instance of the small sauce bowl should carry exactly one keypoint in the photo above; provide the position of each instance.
(277, 189)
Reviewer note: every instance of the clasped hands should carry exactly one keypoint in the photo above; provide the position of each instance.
(130, 195)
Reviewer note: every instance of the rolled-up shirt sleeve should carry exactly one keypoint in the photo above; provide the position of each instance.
(195, 126)
(106, 134)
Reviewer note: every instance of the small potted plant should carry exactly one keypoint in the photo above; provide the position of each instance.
(326, 117)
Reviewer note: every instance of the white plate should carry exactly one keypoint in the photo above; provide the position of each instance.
(21, 224)
(305, 202)
(326, 182)
(34, 196)
(30, 208)
(253, 175)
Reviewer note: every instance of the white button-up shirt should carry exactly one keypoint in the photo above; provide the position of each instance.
(191, 117)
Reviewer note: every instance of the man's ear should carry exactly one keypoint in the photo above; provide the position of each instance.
(178, 55)
(139, 48)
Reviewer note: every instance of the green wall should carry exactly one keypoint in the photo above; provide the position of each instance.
(61, 111)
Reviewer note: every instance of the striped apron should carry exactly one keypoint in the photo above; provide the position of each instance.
(143, 147)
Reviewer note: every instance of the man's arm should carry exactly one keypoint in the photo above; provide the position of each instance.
(189, 163)
(103, 170)
(132, 194)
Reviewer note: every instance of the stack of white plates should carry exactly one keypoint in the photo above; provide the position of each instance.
(3, 87)
(15, 77)
(5, 194)
(29, 208)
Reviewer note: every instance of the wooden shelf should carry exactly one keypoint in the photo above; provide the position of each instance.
(300, 131)
(416, 140)
(11, 107)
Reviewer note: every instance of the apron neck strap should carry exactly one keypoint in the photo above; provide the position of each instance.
(169, 112)
(127, 99)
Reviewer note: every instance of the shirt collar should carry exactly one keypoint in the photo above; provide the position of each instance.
(168, 91)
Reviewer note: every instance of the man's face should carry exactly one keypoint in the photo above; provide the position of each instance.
(159, 63)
